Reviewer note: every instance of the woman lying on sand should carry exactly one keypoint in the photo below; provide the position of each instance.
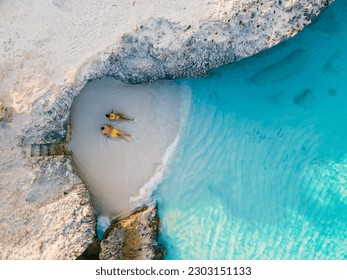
(109, 131)
(117, 117)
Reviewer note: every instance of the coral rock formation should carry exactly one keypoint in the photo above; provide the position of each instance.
(133, 238)
(48, 214)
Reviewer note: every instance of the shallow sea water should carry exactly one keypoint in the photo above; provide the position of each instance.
(261, 170)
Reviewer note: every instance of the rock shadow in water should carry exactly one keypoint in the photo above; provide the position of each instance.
(276, 99)
(335, 64)
(305, 99)
(214, 74)
(332, 92)
(327, 24)
(288, 67)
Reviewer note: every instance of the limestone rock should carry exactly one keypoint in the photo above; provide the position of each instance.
(133, 238)
(46, 213)
(162, 48)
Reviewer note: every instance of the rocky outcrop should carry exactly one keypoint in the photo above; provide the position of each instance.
(162, 49)
(48, 215)
(134, 238)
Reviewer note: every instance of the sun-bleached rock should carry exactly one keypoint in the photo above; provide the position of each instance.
(133, 238)
(70, 43)
(48, 215)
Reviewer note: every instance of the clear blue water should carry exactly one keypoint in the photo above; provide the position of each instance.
(262, 168)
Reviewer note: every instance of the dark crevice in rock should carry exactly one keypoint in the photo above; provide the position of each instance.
(92, 252)
(131, 238)
(6, 114)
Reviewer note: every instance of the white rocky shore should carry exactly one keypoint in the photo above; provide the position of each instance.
(50, 49)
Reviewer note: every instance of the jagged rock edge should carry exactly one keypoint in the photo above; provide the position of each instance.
(136, 59)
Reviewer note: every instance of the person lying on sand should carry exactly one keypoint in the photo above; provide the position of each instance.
(112, 116)
(109, 131)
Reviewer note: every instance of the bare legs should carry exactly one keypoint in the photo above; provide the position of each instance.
(123, 133)
(114, 132)
(122, 137)
(122, 117)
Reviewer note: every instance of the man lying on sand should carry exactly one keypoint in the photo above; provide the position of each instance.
(112, 116)
(109, 131)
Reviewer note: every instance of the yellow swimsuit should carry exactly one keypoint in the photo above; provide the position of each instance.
(113, 117)
(114, 133)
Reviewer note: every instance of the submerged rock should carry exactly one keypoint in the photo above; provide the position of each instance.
(332, 92)
(305, 99)
(288, 67)
(134, 238)
(335, 64)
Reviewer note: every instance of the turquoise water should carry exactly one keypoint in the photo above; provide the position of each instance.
(261, 170)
